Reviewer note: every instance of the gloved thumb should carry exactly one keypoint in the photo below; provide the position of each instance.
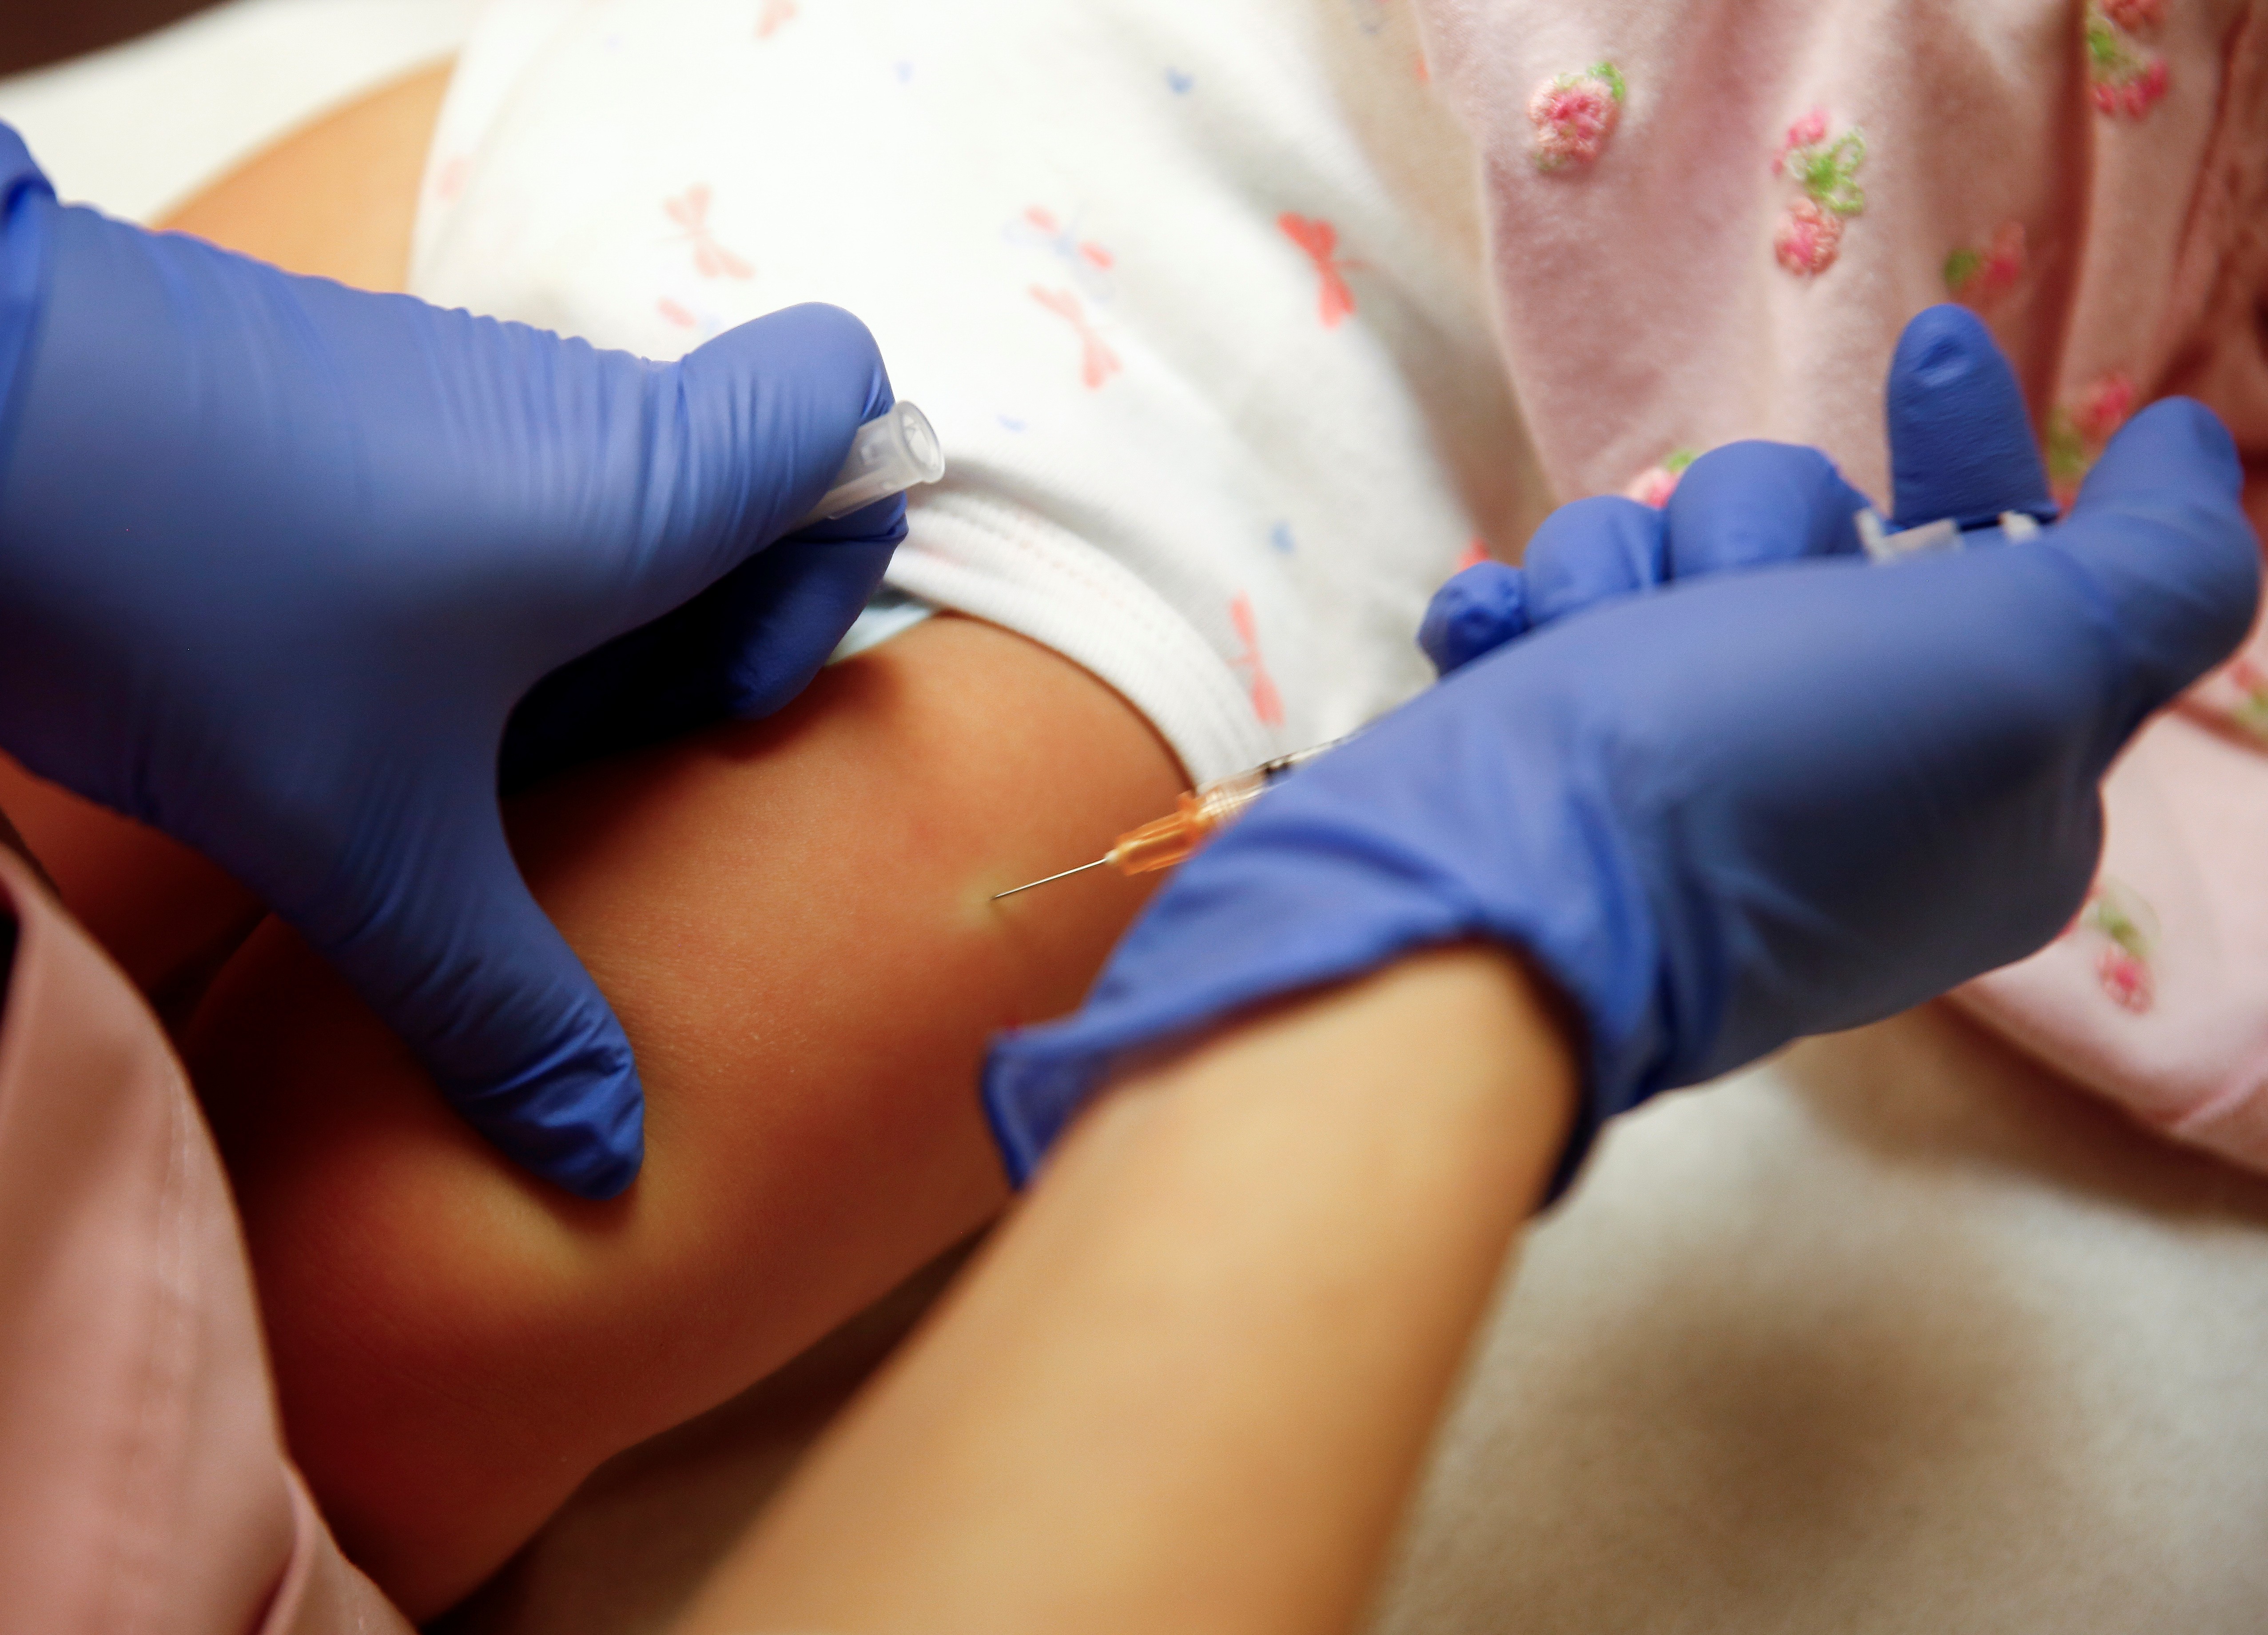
(748, 431)
(751, 428)
(741, 649)
(1961, 442)
(452, 952)
(2168, 563)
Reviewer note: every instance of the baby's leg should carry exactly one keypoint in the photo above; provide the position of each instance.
(793, 920)
(162, 912)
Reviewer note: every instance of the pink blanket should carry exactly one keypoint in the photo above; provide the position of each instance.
(1709, 221)
(144, 1485)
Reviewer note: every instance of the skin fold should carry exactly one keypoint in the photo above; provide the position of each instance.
(792, 919)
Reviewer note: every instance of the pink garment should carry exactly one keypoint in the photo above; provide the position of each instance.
(143, 1485)
(1711, 222)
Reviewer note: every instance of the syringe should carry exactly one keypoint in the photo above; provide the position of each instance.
(891, 453)
(1196, 816)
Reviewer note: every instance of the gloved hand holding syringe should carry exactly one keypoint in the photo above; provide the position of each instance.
(1196, 816)
(1787, 794)
(1967, 461)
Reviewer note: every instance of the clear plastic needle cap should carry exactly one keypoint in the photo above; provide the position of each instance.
(894, 451)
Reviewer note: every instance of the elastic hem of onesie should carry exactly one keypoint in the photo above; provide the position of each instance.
(994, 560)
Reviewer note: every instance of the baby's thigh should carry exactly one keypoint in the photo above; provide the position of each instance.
(165, 914)
(793, 919)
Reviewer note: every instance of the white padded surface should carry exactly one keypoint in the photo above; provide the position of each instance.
(1902, 1334)
(138, 127)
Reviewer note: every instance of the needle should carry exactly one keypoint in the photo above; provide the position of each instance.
(1066, 874)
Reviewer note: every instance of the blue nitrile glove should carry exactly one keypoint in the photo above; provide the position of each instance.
(1765, 803)
(278, 559)
(1961, 447)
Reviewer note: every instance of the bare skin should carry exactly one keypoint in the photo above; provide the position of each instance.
(792, 919)
(1187, 1386)
(336, 199)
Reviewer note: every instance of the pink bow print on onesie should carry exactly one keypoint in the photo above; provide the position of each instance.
(691, 210)
(1097, 362)
(1320, 240)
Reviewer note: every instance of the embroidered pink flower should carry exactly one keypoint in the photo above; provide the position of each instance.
(1656, 484)
(2126, 980)
(2138, 93)
(1977, 276)
(1807, 132)
(1810, 234)
(2078, 430)
(1809, 238)
(2104, 406)
(1575, 115)
(2118, 914)
(2124, 80)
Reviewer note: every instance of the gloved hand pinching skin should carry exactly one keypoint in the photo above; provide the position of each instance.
(1793, 793)
(279, 559)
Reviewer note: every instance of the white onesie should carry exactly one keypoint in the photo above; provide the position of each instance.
(1191, 289)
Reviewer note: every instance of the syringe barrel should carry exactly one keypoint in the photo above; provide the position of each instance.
(892, 452)
(1164, 842)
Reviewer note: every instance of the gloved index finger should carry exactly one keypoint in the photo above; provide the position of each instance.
(1590, 551)
(445, 942)
(1752, 504)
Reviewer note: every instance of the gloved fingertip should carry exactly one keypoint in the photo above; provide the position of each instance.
(576, 1117)
(604, 1170)
(1755, 504)
(815, 336)
(814, 330)
(1940, 349)
(1592, 550)
(763, 417)
(2170, 560)
(1961, 436)
(1477, 612)
(2175, 441)
(509, 1021)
